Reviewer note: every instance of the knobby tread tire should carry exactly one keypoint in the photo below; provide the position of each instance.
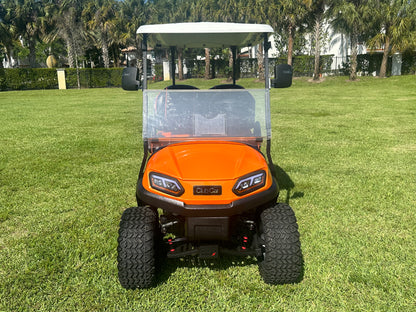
(137, 247)
(281, 262)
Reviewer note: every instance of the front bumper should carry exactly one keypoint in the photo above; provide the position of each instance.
(180, 208)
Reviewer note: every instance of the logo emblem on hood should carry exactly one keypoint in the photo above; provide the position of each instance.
(207, 190)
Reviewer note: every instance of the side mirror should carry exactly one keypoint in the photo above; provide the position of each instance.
(283, 76)
(129, 79)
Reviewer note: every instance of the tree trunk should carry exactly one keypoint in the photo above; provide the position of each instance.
(104, 49)
(316, 73)
(230, 66)
(70, 50)
(290, 46)
(78, 73)
(180, 63)
(383, 67)
(207, 63)
(32, 53)
(260, 61)
(116, 56)
(354, 52)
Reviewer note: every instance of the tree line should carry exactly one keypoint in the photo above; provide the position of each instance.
(94, 31)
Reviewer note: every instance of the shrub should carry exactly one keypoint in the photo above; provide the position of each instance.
(368, 64)
(28, 78)
(45, 78)
(93, 77)
(304, 65)
(409, 63)
(158, 72)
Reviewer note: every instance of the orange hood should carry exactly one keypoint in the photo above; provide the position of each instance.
(207, 161)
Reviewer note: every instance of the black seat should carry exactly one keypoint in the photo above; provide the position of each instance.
(181, 87)
(227, 86)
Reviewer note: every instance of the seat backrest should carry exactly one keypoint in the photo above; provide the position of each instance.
(181, 87)
(227, 86)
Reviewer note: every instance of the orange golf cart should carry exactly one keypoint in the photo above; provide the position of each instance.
(207, 184)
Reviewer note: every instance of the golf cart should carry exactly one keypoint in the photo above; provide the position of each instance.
(207, 185)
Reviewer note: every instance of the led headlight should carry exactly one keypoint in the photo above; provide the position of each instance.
(165, 184)
(250, 183)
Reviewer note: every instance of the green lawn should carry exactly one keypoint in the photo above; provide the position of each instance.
(347, 152)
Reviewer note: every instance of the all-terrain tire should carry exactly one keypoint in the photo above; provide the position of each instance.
(137, 241)
(281, 262)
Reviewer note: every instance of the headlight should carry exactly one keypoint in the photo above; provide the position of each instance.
(165, 184)
(250, 183)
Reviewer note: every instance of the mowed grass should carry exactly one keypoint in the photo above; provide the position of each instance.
(346, 153)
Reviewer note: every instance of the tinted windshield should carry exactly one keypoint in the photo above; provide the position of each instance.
(193, 114)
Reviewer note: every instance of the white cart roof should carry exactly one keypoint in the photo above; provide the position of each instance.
(201, 35)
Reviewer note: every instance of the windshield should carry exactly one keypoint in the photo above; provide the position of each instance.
(182, 115)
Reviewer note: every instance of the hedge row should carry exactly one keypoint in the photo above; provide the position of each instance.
(42, 78)
(28, 78)
(247, 68)
(45, 78)
(367, 64)
(94, 77)
(304, 65)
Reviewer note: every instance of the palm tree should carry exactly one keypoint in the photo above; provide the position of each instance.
(66, 18)
(229, 11)
(287, 18)
(291, 15)
(6, 36)
(132, 14)
(27, 19)
(99, 16)
(352, 18)
(181, 12)
(396, 25)
(317, 10)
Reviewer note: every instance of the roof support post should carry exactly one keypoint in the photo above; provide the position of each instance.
(234, 53)
(172, 60)
(267, 46)
(144, 49)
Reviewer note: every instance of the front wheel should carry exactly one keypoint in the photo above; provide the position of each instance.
(137, 241)
(281, 260)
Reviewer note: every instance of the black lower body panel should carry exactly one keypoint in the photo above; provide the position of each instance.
(180, 208)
